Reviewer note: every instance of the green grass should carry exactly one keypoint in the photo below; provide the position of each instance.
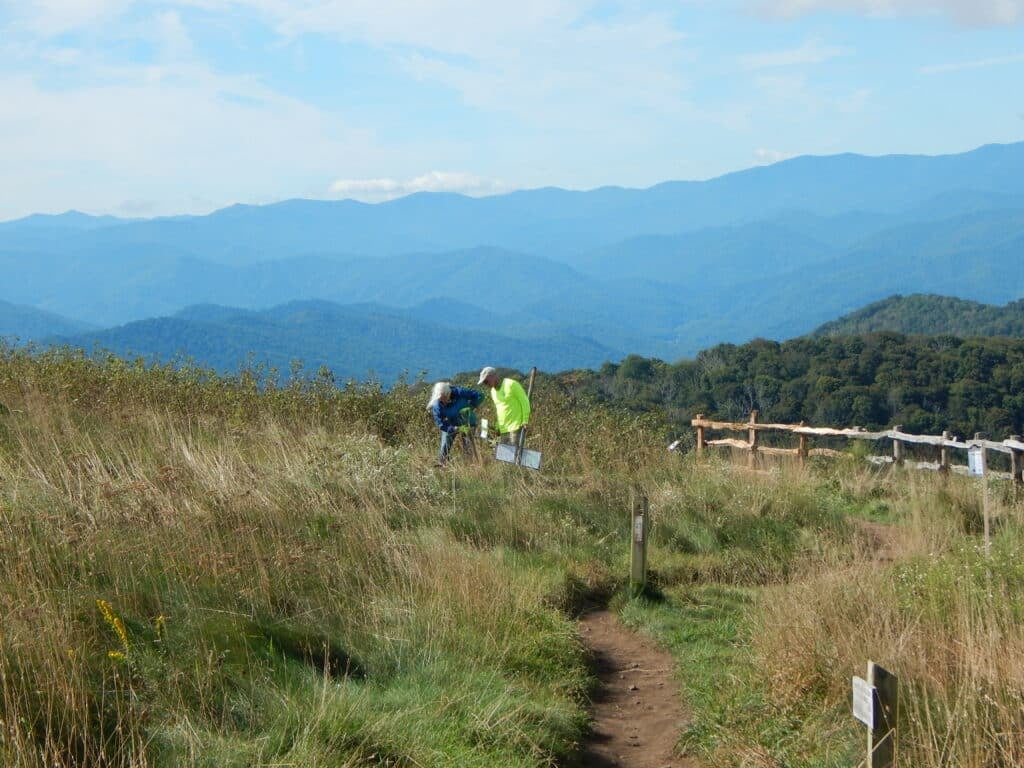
(707, 629)
(200, 570)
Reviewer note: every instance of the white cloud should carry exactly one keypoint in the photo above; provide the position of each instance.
(768, 156)
(968, 12)
(960, 66)
(49, 18)
(456, 27)
(180, 132)
(544, 59)
(172, 36)
(523, 76)
(811, 52)
(584, 80)
(434, 181)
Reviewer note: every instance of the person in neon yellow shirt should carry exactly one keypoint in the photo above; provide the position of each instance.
(511, 405)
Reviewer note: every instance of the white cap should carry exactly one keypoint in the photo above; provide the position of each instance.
(488, 371)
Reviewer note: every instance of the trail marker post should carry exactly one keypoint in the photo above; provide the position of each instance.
(638, 542)
(876, 704)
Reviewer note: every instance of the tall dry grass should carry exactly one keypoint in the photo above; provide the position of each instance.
(205, 571)
(923, 599)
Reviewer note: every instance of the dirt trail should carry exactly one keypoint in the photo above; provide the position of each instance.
(637, 712)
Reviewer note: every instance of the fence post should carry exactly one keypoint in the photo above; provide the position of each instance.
(802, 451)
(944, 453)
(882, 736)
(638, 538)
(700, 435)
(978, 436)
(1016, 468)
(752, 439)
(897, 447)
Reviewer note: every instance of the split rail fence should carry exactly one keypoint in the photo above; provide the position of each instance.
(943, 444)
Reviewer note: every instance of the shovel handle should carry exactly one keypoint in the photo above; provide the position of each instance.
(522, 429)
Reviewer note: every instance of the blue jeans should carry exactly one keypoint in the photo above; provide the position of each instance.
(447, 441)
(447, 438)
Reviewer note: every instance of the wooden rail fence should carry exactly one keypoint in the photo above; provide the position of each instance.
(944, 443)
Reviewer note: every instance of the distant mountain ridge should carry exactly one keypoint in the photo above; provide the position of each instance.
(354, 342)
(930, 315)
(667, 271)
(550, 221)
(27, 323)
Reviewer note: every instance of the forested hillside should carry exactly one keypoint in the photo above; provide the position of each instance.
(930, 314)
(354, 341)
(925, 383)
(30, 323)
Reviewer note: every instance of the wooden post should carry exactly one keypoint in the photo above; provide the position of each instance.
(944, 454)
(752, 439)
(984, 495)
(638, 542)
(897, 447)
(1016, 468)
(882, 737)
(802, 450)
(700, 436)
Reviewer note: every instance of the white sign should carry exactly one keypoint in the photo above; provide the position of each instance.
(483, 428)
(976, 461)
(638, 529)
(864, 701)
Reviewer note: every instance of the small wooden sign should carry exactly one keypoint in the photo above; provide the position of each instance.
(864, 701)
(638, 547)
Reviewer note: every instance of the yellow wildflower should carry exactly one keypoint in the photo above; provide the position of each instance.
(115, 623)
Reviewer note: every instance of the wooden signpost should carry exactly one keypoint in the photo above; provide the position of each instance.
(638, 542)
(876, 704)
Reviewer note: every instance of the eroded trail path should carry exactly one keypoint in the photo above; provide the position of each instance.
(637, 712)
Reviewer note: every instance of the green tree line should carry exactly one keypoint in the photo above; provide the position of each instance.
(927, 384)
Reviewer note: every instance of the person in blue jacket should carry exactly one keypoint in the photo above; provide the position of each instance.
(454, 411)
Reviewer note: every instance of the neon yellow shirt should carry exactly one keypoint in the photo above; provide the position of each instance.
(511, 405)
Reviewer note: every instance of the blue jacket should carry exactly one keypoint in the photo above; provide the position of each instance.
(450, 417)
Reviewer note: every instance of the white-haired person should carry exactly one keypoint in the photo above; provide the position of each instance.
(511, 405)
(454, 410)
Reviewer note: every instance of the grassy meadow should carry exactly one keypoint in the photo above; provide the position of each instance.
(240, 571)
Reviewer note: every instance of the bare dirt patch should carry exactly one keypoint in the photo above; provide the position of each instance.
(637, 713)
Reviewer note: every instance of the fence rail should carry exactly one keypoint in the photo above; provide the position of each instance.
(944, 443)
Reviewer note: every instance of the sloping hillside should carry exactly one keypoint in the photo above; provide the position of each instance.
(929, 314)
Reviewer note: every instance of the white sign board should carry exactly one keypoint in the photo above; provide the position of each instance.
(483, 428)
(976, 461)
(638, 529)
(864, 701)
(507, 453)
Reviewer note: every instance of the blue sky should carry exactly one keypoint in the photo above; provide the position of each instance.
(152, 108)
